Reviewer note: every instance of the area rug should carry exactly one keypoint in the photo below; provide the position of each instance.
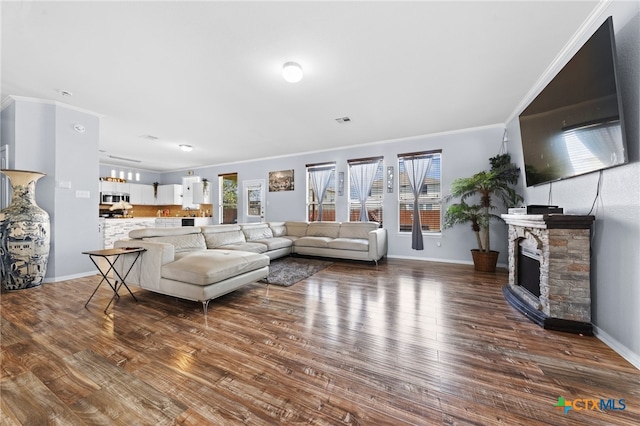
(287, 271)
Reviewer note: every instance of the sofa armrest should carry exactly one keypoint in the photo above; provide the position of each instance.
(377, 243)
(147, 270)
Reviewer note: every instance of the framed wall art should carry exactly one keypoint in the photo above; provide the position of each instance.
(281, 181)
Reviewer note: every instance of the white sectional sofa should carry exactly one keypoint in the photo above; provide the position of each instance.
(202, 263)
(342, 240)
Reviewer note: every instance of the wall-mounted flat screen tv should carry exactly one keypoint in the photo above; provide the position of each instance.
(575, 126)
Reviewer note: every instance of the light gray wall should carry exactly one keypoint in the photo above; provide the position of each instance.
(615, 278)
(72, 236)
(464, 153)
(7, 131)
(44, 140)
(7, 137)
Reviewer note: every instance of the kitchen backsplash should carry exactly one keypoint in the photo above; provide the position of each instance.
(173, 210)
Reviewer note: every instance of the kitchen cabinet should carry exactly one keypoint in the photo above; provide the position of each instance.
(107, 187)
(168, 222)
(169, 195)
(135, 194)
(188, 190)
(202, 195)
(148, 199)
(114, 187)
(141, 194)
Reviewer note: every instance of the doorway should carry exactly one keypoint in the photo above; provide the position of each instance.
(228, 201)
(253, 200)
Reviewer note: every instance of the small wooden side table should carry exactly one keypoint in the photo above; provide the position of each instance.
(111, 257)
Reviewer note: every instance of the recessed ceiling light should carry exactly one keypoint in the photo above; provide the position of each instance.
(186, 148)
(343, 119)
(79, 128)
(292, 72)
(65, 92)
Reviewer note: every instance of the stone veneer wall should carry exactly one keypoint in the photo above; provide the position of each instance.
(565, 290)
(117, 229)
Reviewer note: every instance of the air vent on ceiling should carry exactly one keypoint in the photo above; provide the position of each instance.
(149, 137)
(115, 157)
(343, 119)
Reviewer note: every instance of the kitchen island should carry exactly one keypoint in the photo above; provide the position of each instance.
(118, 228)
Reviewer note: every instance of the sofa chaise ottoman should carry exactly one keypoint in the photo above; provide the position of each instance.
(177, 263)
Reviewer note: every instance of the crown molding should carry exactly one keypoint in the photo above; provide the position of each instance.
(10, 99)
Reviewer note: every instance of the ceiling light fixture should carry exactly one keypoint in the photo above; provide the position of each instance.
(292, 72)
(186, 148)
(79, 128)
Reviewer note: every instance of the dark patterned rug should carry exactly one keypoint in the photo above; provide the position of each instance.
(287, 271)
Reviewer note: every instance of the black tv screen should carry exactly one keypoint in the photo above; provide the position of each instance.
(574, 126)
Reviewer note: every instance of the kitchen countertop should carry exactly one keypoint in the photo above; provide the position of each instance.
(155, 217)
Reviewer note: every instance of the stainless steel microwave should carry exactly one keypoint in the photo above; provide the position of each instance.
(113, 197)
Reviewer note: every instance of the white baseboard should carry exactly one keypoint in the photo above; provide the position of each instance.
(69, 277)
(618, 347)
(428, 259)
(440, 260)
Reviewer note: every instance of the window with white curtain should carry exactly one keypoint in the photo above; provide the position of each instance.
(366, 183)
(430, 194)
(321, 192)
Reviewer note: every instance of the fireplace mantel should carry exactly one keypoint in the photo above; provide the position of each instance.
(550, 221)
(563, 244)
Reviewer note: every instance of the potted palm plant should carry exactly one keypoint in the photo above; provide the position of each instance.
(484, 188)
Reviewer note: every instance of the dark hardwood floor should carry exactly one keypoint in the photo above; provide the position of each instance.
(407, 343)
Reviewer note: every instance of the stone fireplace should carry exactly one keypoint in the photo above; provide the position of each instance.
(549, 270)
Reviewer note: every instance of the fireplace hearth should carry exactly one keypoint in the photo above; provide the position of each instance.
(549, 270)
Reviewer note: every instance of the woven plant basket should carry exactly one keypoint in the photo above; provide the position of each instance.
(484, 261)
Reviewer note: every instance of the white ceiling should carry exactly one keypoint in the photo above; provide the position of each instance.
(208, 73)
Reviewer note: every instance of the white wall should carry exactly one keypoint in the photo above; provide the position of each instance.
(72, 236)
(464, 153)
(615, 277)
(41, 137)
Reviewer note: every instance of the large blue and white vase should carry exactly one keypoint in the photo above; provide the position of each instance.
(24, 234)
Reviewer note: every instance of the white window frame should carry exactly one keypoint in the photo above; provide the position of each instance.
(435, 199)
(375, 199)
(330, 195)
